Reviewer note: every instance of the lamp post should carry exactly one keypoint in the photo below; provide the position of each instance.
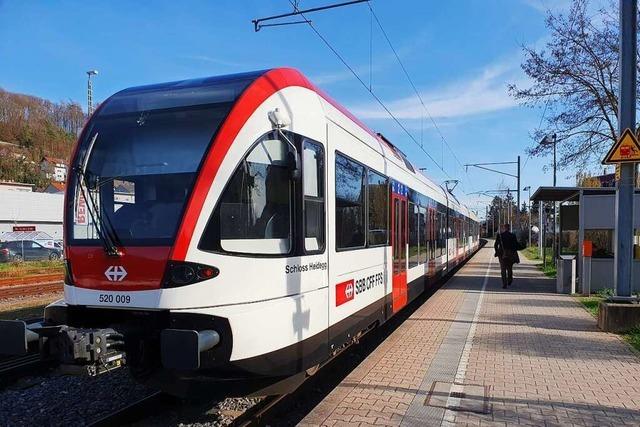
(90, 91)
(528, 188)
(548, 140)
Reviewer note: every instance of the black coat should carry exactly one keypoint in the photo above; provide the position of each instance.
(506, 241)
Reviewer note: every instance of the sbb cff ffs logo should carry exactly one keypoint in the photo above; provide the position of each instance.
(344, 292)
(115, 273)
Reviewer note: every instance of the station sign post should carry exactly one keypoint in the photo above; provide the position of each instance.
(625, 152)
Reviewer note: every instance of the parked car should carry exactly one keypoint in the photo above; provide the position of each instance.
(27, 250)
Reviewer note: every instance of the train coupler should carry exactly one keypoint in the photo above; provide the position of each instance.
(93, 351)
(97, 350)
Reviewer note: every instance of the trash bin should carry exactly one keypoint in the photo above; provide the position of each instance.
(566, 274)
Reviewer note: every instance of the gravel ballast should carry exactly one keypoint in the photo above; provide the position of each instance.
(55, 399)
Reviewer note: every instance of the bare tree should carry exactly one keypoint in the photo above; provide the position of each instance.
(40, 127)
(575, 79)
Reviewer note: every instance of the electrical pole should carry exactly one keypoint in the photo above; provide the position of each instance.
(509, 206)
(90, 91)
(518, 205)
(622, 272)
(517, 177)
(486, 220)
(555, 143)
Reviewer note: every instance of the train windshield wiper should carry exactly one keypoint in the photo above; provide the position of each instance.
(105, 229)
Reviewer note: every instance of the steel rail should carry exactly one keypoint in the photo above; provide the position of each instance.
(259, 413)
(134, 411)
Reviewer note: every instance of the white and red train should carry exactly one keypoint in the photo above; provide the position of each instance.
(238, 231)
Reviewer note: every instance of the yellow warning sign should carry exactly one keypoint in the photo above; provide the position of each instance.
(625, 150)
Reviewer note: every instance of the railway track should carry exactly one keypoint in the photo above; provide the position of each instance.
(135, 411)
(13, 368)
(35, 288)
(260, 413)
(31, 279)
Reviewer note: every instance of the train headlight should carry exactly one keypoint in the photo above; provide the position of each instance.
(180, 273)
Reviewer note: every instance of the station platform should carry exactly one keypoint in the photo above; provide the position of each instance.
(476, 354)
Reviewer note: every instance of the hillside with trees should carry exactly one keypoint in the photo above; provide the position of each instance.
(34, 127)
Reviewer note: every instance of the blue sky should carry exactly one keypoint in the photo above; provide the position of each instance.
(461, 55)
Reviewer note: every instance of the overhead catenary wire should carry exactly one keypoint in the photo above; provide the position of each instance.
(368, 89)
(415, 89)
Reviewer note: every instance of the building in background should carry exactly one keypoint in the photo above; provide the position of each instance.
(55, 188)
(53, 168)
(31, 211)
(16, 186)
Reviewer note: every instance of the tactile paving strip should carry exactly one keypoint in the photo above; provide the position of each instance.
(444, 366)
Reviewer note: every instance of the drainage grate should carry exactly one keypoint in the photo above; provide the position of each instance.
(459, 397)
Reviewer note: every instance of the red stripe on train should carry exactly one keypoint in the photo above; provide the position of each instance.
(261, 89)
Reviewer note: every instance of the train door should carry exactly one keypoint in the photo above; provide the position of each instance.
(399, 247)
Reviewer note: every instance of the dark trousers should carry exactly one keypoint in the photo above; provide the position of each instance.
(506, 271)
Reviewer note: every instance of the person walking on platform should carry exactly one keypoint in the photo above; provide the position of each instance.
(506, 249)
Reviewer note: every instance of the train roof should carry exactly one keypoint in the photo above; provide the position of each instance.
(229, 88)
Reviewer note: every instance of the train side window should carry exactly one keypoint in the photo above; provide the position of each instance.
(378, 209)
(254, 212)
(350, 204)
(414, 237)
(313, 185)
(442, 240)
(425, 230)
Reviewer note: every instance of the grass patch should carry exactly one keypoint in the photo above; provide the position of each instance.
(591, 304)
(633, 337)
(532, 253)
(29, 268)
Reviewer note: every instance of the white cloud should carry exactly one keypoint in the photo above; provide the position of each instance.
(205, 58)
(484, 92)
(546, 5)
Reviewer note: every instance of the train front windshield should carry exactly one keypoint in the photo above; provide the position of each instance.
(138, 162)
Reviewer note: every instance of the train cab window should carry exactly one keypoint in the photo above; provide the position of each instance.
(313, 185)
(254, 213)
(350, 204)
(378, 209)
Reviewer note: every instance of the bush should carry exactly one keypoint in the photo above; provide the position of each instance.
(605, 293)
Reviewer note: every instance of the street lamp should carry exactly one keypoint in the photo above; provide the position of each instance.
(548, 140)
(528, 188)
(90, 91)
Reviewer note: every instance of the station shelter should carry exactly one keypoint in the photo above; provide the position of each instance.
(584, 224)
